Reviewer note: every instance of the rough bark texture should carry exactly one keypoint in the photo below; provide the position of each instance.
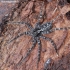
(11, 53)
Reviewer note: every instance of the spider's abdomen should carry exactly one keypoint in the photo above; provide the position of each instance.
(46, 27)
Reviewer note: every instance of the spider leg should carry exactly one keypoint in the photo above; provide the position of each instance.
(65, 28)
(52, 42)
(28, 52)
(24, 33)
(39, 50)
(40, 16)
(26, 23)
(53, 20)
(41, 12)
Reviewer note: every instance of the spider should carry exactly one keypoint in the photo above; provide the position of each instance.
(36, 33)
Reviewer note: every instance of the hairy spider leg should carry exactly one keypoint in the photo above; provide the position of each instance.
(53, 20)
(26, 23)
(28, 52)
(40, 16)
(24, 33)
(52, 42)
(39, 50)
(65, 28)
(41, 13)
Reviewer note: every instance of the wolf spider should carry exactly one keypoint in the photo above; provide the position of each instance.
(36, 33)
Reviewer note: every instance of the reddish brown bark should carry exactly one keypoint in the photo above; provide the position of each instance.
(10, 54)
